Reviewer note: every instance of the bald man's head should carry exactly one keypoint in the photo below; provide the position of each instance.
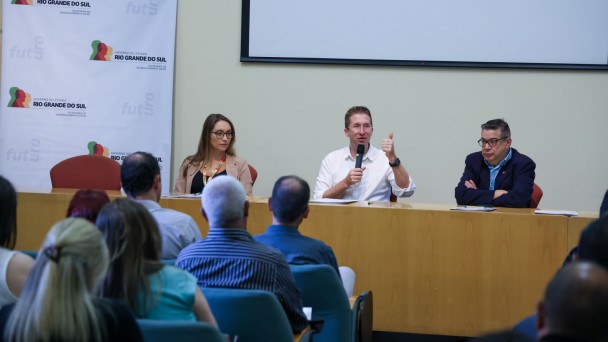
(576, 303)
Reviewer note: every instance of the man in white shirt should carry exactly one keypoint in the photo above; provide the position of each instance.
(140, 178)
(380, 175)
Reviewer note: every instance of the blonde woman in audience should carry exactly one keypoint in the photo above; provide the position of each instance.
(215, 156)
(57, 302)
(137, 276)
(14, 266)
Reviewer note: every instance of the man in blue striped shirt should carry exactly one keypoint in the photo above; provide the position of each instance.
(230, 258)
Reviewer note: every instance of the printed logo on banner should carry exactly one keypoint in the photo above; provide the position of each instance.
(120, 156)
(145, 108)
(19, 98)
(101, 51)
(24, 153)
(69, 7)
(142, 7)
(21, 2)
(22, 52)
(97, 149)
(141, 59)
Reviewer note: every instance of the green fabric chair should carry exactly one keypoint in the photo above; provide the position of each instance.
(30, 252)
(250, 315)
(182, 331)
(170, 262)
(322, 290)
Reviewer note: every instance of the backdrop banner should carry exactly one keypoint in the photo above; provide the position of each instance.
(84, 77)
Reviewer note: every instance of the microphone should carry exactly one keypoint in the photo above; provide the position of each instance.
(360, 149)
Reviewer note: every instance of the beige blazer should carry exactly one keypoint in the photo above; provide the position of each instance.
(235, 167)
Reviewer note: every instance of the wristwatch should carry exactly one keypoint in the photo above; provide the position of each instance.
(396, 163)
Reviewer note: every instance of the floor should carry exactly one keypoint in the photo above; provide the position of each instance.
(382, 336)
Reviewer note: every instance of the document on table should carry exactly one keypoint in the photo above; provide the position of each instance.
(472, 208)
(181, 195)
(556, 212)
(332, 200)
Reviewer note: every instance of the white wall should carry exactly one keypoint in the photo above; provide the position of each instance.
(288, 117)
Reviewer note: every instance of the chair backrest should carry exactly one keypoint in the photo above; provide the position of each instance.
(537, 194)
(86, 172)
(363, 317)
(527, 327)
(322, 290)
(254, 173)
(30, 252)
(170, 262)
(348, 279)
(183, 331)
(251, 315)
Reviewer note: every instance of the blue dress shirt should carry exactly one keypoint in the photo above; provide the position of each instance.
(494, 170)
(297, 248)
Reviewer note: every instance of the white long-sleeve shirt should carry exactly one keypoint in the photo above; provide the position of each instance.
(378, 179)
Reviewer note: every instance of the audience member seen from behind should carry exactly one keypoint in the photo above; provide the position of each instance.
(230, 258)
(381, 173)
(502, 336)
(140, 178)
(498, 175)
(87, 203)
(14, 266)
(604, 205)
(575, 305)
(215, 156)
(593, 243)
(57, 303)
(289, 206)
(137, 276)
(601, 239)
(591, 248)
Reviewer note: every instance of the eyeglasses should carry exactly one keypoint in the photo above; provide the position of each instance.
(357, 127)
(222, 134)
(492, 142)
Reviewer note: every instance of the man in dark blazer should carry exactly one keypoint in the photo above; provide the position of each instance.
(498, 175)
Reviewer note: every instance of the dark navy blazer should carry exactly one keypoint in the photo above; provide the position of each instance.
(516, 176)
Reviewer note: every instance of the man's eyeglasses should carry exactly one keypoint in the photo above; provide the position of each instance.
(492, 142)
(357, 128)
(221, 134)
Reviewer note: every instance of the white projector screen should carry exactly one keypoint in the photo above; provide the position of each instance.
(487, 33)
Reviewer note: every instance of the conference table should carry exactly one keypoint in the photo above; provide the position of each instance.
(432, 270)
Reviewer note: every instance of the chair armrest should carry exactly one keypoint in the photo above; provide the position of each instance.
(304, 335)
(352, 300)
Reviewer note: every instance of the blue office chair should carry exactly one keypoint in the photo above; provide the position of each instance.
(183, 331)
(322, 290)
(250, 315)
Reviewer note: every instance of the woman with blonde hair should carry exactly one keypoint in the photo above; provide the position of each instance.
(137, 276)
(57, 302)
(215, 157)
